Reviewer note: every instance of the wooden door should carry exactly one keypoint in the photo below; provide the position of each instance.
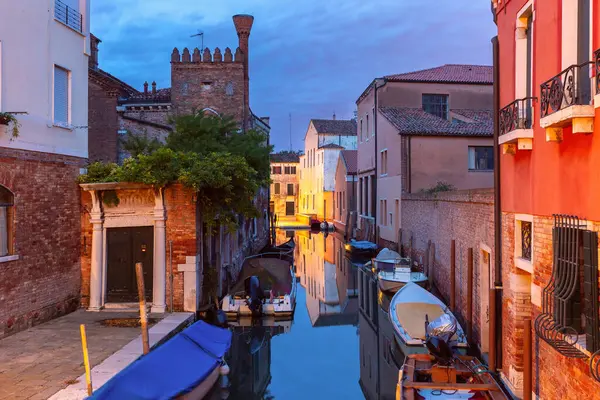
(125, 247)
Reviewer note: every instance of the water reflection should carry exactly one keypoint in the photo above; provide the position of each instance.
(339, 344)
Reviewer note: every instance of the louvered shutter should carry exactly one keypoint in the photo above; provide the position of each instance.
(61, 95)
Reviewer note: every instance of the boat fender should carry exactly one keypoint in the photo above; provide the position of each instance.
(224, 369)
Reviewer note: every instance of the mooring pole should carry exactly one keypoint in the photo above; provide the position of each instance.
(86, 360)
(470, 295)
(527, 361)
(492, 331)
(139, 273)
(453, 276)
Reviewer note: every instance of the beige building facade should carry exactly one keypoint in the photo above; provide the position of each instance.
(284, 185)
(426, 130)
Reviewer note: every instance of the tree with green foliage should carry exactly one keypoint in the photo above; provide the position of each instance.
(140, 144)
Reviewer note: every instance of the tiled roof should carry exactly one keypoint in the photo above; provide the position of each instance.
(351, 159)
(415, 121)
(335, 127)
(109, 81)
(285, 157)
(449, 73)
(331, 146)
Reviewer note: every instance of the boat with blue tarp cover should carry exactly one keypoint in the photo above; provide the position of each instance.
(185, 367)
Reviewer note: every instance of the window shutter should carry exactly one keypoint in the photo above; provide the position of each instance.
(61, 95)
(3, 232)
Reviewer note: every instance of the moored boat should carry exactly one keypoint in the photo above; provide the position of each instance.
(423, 377)
(185, 367)
(266, 287)
(394, 271)
(409, 309)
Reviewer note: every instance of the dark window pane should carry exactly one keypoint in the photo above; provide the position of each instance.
(436, 104)
(277, 189)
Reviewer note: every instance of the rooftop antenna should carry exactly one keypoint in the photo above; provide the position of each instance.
(201, 34)
(290, 131)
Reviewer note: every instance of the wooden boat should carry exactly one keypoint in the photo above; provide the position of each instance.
(408, 310)
(185, 367)
(422, 378)
(278, 288)
(394, 271)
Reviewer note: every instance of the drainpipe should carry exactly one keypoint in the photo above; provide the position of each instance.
(497, 206)
(374, 188)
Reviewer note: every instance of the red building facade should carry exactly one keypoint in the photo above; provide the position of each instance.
(549, 132)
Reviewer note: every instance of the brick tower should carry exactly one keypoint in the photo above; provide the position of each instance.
(215, 82)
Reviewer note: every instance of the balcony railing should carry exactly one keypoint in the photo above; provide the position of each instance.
(68, 15)
(517, 115)
(597, 70)
(572, 86)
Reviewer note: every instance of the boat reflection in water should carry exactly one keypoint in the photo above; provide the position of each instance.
(380, 357)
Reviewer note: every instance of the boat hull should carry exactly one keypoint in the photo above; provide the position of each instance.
(391, 286)
(200, 391)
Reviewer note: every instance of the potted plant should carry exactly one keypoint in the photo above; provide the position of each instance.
(9, 119)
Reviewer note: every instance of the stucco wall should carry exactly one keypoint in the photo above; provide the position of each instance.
(283, 196)
(409, 94)
(31, 43)
(446, 159)
(345, 189)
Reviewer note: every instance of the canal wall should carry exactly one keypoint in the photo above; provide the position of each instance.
(429, 224)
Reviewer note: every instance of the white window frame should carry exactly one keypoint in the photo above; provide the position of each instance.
(520, 262)
(60, 124)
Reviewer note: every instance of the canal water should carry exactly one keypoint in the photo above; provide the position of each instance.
(338, 345)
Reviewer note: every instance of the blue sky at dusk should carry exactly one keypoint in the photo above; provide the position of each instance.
(307, 57)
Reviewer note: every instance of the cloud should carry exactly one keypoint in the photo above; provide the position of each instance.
(308, 58)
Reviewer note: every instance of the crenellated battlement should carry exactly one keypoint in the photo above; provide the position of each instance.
(206, 56)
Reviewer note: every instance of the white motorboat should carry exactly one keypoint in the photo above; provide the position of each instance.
(274, 293)
(395, 271)
(409, 308)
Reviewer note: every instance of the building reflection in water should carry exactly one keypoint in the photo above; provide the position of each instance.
(329, 278)
(380, 357)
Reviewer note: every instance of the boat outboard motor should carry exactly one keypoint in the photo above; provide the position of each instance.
(437, 337)
(256, 296)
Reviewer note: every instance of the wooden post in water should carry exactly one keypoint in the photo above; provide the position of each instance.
(431, 264)
(453, 276)
(86, 360)
(139, 273)
(492, 331)
(470, 295)
(527, 361)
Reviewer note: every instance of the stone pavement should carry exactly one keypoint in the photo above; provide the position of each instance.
(38, 362)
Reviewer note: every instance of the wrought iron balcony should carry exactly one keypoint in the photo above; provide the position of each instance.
(68, 16)
(597, 70)
(571, 87)
(517, 115)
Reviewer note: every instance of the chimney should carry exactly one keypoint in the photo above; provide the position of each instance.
(93, 60)
(154, 87)
(146, 87)
(243, 26)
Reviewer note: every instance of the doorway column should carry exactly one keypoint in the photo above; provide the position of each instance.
(160, 254)
(97, 220)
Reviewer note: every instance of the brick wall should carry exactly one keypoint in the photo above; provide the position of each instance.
(465, 216)
(45, 281)
(102, 124)
(151, 123)
(555, 376)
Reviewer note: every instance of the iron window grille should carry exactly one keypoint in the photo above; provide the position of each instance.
(436, 104)
(572, 290)
(570, 87)
(68, 15)
(526, 240)
(517, 115)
